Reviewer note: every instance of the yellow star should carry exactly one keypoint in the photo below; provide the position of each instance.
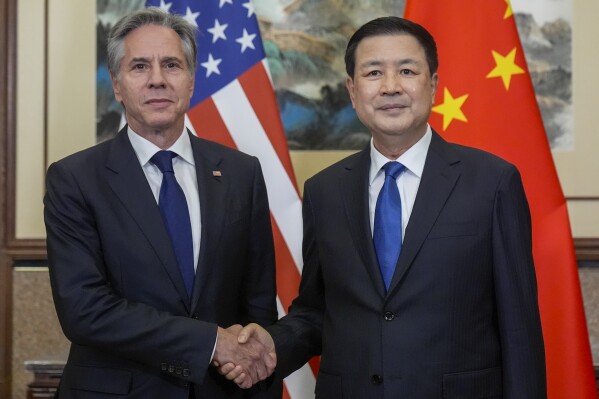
(508, 10)
(505, 67)
(451, 108)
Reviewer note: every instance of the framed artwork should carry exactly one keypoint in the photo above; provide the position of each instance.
(305, 41)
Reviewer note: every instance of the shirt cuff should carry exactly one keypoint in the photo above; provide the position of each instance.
(213, 349)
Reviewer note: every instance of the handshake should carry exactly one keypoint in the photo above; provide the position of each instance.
(244, 355)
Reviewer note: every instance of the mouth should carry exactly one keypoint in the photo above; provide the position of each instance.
(391, 107)
(158, 101)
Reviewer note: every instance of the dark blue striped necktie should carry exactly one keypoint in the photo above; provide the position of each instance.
(175, 214)
(387, 222)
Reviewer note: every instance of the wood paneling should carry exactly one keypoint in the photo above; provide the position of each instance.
(7, 74)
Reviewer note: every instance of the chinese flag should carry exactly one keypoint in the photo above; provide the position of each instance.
(485, 99)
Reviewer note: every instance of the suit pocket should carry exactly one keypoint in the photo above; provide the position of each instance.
(99, 379)
(453, 230)
(328, 386)
(484, 383)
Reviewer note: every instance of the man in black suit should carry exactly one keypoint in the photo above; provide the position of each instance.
(141, 301)
(438, 301)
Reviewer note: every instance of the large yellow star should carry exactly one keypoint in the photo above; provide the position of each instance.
(508, 10)
(505, 67)
(451, 108)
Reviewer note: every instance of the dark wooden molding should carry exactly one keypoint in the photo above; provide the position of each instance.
(11, 248)
(7, 124)
(582, 198)
(5, 324)
(26, 249)
(587, 248)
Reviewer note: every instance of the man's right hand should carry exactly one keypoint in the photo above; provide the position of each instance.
(246, 358)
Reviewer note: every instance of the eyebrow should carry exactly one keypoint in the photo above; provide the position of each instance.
(162, 60)
(405, 61)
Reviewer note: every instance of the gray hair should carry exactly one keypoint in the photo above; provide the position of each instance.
(150, 16)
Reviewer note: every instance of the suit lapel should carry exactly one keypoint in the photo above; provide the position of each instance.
(438, 180)
(354, 186)
(130, 185)
(212, 188)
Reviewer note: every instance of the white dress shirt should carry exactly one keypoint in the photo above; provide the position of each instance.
(185, 172)
(407, 182)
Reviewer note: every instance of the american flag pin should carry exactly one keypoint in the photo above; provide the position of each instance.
(216, 173)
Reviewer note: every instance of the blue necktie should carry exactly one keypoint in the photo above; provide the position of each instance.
(175, 214)
(387, 222)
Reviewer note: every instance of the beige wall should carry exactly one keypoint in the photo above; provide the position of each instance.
(578, 169)
(70, 121)
(49, 130)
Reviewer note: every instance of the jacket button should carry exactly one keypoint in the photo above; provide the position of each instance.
(376, 379)
(389, 316)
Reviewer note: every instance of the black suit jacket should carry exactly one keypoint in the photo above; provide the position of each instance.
(117, 288)
(460, 319)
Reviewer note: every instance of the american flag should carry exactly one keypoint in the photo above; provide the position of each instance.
(234, 104)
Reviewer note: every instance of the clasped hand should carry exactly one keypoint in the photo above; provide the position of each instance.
(244, 355)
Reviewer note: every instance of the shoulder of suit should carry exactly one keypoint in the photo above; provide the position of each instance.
(215, 148)
(475, 157)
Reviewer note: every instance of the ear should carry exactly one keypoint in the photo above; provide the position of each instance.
(434, 85)
(192, 86)
(116, 88)
(349, 84)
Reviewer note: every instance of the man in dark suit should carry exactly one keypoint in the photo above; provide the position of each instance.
(142, 301)
(438, 301)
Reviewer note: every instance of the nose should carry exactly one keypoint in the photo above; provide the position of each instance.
(390, 85)
(156, 78)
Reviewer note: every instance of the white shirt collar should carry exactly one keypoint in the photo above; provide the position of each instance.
(413, 159)
(145, 149)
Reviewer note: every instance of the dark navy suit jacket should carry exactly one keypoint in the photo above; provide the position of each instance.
(117, 288)
(460, 319)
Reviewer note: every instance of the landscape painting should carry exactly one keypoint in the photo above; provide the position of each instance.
(305, 40)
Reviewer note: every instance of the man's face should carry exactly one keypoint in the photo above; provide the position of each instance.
(155, 84)
(392, 89)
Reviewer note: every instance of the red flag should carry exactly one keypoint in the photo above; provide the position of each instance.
(485, 99)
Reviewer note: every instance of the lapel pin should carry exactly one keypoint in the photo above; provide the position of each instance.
(216, 173)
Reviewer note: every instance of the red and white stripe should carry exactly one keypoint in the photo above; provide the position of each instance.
(244, 115)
